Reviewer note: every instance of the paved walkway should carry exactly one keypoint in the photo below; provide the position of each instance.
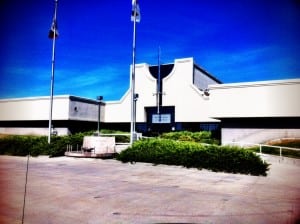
(72, 190)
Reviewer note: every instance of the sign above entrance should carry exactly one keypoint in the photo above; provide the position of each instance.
(161, 118)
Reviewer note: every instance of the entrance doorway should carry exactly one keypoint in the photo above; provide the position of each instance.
(164, 121)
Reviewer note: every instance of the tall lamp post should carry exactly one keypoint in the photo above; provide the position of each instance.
(135, 17)
(53, 34)
(99, 98)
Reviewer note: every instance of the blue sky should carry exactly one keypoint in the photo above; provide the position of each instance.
(234, 40)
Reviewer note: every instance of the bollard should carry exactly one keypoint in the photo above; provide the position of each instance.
(280, 155)
(260, 148)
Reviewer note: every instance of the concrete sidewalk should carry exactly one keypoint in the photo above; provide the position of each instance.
(72, 190)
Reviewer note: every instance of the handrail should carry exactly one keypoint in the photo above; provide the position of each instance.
(263, 145)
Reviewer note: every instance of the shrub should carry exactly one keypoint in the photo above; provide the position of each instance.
(119, 138)
(191, 154)
(37, 145)
(18, 145)
(200, 137)
(22, 145)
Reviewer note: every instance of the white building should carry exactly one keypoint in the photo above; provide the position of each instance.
(31, 115)
(257, 112)
(178, 104)
(182, 96)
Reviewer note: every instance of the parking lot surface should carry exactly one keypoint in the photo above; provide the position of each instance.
(81, 190)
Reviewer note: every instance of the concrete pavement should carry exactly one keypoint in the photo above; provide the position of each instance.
(79, 190)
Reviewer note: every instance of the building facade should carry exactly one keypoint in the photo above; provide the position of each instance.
(257, 112)
(31, 115)
(171, 97)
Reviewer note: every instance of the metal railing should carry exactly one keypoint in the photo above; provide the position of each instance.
(70, 148)
(118, 143)
(243, 144)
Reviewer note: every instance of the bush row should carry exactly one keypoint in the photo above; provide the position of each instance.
(191, 154)
(18, 145)
(22, 145)
(119, 138)
(201, 137)
(36, 145)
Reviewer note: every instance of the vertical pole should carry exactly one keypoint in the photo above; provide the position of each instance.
(52, 75)
(99, 109)
(158, 82)
(133, 115)
(25, 188)
(260, 148)
(280, 152)
(99, 100)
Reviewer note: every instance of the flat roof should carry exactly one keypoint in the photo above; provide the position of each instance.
(255, 84)
(71, 97)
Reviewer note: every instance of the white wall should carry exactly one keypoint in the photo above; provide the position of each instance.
(256, 99)
(118, 111)
(191, 105)
(178, 90)
(145, 86)
(32, 131)
(256, 135)
(279, 98)
(34, 108)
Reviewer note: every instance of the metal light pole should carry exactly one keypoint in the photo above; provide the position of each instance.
(158, 93)
(135, 15)
(99, 98)
(53, 34)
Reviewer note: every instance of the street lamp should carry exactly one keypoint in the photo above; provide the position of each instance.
(135, 17)
(99, 98)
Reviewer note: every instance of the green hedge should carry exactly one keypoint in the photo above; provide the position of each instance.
(201, 137)
(191, 154)
(22, 145)
(119, 138)
(18, 145)
(34, 145)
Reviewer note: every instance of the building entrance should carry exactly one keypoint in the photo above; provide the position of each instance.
(164, 121)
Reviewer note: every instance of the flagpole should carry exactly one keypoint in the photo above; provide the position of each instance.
(158, 93)
(133, 100)
(52, 74)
